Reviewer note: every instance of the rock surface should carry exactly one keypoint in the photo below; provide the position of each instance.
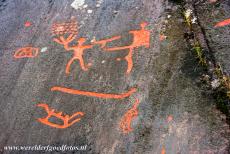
(174, 114)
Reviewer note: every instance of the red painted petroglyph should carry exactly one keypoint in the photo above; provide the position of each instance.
(105, 41)
(223, 23)
(65, 118)
(95, 94)
(78, 51)
(163, 150)
(140, 38)
(162, 37)
(170, 118)
(126, 120)
(65, 28)
(27, 24)
(26, 52)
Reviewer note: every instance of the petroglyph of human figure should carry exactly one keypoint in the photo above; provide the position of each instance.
(140, 38)
(78, 51)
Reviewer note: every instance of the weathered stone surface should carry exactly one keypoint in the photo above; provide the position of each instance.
(209, 14)
(164, 75)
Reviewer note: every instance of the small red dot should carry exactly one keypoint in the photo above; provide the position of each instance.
(170, 118)
(162, 37)
(27, 24)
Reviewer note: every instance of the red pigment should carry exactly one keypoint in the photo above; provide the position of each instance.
(27, 24)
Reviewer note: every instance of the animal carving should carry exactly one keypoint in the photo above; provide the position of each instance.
(26, 52)
(67, 120)
(125, 124)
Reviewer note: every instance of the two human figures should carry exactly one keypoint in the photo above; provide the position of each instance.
(140, 38)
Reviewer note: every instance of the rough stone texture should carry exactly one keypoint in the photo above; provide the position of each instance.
(214, 39)
(218, 38)
(164, 75)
